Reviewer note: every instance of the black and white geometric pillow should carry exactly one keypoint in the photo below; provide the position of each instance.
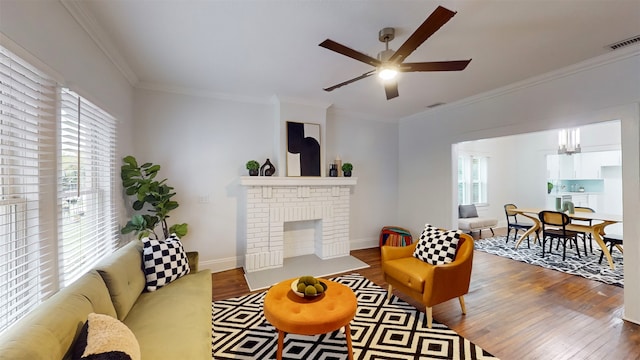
(436, 246)
(164, 261)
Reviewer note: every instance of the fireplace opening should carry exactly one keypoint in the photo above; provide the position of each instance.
(301, 237)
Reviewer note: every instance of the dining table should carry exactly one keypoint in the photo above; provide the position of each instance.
(598, 222)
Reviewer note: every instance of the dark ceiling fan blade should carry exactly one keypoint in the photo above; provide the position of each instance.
(365, 75)
(391, 89)
(455, 65)
(437, 18)
(341, 49)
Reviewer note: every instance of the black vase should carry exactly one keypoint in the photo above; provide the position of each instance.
(267, 169)
(333, 171)
(347, 173)
(253, 172)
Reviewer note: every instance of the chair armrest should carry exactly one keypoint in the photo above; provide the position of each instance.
(193, 257)
(396, 252)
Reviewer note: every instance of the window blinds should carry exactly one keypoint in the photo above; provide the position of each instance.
(86, 182)
(27, 185)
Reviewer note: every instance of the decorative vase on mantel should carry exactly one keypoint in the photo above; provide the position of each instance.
(267, 169)
(333, 171)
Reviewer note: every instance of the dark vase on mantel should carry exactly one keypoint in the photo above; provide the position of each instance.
(253, 172)
(347, 173)
(333, 171)
(267, 169)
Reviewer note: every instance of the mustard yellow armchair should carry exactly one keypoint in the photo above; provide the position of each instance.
(429, 284)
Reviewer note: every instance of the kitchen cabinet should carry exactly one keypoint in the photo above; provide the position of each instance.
(591, 163)
(567, 165)
(585, 200)
(586, 165)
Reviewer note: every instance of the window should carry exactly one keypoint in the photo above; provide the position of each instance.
(27, 183)
(53, 145)
(472, 179)
(88, 228)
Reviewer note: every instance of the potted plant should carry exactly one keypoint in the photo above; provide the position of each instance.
(346, 169)
(253, 167)
(139, 181)
(549, 187)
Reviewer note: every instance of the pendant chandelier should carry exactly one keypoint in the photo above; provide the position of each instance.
(569, 141)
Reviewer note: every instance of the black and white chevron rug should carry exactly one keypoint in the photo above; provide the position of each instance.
(585, 266)
(380, 330)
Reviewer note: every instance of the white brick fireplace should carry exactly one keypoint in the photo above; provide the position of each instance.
(273, 201)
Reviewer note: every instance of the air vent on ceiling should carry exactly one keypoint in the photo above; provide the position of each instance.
(625, 42)
(434, 105)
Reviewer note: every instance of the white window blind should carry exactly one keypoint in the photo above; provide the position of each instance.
(27, 185)
(86, 183)
(472, 179)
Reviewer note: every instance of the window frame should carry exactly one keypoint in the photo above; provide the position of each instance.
(473, 183)
(39, 207)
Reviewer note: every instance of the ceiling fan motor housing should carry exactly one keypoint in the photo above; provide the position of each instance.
(386, 34)
(384, 55)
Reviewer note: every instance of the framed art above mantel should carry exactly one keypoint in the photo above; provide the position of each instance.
(303, 149)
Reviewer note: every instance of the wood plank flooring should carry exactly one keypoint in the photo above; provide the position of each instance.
(516, 310)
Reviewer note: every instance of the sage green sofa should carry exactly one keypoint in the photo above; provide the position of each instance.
(173, 322)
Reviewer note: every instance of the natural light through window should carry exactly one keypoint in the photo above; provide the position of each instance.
(472, 179)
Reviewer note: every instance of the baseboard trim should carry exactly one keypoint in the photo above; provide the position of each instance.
(230, 263)
(219, 265)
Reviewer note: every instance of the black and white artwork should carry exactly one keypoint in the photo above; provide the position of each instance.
(303, 149)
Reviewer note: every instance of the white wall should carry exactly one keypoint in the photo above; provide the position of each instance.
(606, 88)
(372, 148)
(203, 144)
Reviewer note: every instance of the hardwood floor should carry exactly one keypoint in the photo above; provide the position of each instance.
(516, 310)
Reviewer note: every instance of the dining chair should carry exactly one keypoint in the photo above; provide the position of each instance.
(612, 240)
(583, 235)
(513, 224)
(554, 227)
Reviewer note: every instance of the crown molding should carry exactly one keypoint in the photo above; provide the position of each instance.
(203, 93)
(581, 66)
(88, 22)
(338, 112)
(299, 101)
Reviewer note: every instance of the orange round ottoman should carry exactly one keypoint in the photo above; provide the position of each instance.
(290, 313)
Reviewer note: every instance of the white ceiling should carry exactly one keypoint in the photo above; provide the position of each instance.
(253, 50)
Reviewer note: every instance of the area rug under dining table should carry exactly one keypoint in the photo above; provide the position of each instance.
(380, 330)
(586, 266)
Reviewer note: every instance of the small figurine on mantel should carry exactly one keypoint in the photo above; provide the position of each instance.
(267, 169)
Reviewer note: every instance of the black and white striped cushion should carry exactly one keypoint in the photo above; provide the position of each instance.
(164, 261)
(437, 246)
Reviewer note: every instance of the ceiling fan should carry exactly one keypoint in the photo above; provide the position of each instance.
(389, 63)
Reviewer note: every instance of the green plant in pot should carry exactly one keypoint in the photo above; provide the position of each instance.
(253, 167)
(139, 181)
(549, 187)
(346, 169)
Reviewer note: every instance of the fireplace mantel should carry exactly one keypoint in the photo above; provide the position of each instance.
(297, 181)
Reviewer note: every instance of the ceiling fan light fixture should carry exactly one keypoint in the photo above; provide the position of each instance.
(389, 62)
(388, 73)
